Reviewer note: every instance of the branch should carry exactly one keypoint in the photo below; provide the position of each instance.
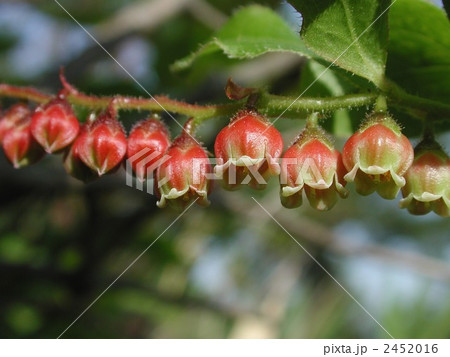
(26, 93)
(141, 16)
(317, 234)
(279, 104)
(417, 106)
(268, 104)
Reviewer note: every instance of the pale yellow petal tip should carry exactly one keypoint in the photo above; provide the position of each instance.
(171, 195)
(350, 176)
(287, 191)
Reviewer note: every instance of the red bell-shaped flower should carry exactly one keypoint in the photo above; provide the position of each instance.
(15, 114)
(428, 181)
(73, 163)
(18, 144)
(147, 143)
(54, 125)
(247, 151)
(102, 144)
(312, 165)
(377, 156)
(184, 175)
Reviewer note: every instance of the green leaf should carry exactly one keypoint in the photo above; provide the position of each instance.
(419, 49)
(352, 34)
(251, 32)
(447, 7)
(328, 83)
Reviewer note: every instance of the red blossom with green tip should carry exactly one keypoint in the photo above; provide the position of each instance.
(147, 143)
(184, 175)
(427, 185)
(18, 144)
(102, 144)
(312, 165)
(73, 163)
(54, 125)
(248, 150)
(15, 114)
(377, 156)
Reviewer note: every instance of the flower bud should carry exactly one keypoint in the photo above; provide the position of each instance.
(15, 114)
(73, 163)
(54, 125)
(184, 175)
(102, 145)
(428, 181)
(147, 143)
(248, 150)
(313, 165)
(18, 144)
(377, 156)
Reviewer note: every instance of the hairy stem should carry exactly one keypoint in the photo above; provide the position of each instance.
(268, 104)
(278, 105)
(26, 93)
(423, 108)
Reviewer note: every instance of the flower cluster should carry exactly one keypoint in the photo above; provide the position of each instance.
(249, 150)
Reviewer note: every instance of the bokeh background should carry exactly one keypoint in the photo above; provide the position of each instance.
(225, 271)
